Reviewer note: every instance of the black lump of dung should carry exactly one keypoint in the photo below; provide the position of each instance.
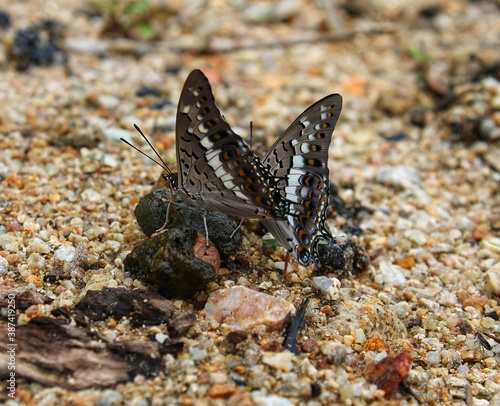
(167, 259)
(38, 45)
(344, 255)
(344, 258)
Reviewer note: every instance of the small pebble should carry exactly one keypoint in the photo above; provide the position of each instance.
(441, 248)
(272, 11)
(279, 360)
(4, 266)
(108, 101)
(399, 176)
(433, 357)
(330, 287)
(116, 133)
(198, 354)
(91, 196)
(39, 246)
(417, 236)
(492, 281)
(110, 397)
(9, 242)
(221, 390)
(261, 399)
(350, 391)
(492, 244)
(390, 273)
(64, 254)
(160, 337)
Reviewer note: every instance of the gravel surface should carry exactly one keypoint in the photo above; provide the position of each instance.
(415, 156)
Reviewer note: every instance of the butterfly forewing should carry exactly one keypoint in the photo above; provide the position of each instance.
(299, 163)
(217, 169)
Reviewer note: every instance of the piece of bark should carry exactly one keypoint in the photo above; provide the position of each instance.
(53, 353)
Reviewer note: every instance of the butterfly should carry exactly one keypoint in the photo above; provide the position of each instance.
(287, 190)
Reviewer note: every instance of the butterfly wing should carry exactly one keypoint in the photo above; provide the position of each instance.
(299, 163)
(217, 169)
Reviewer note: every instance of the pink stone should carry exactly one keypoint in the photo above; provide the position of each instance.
(246, 309)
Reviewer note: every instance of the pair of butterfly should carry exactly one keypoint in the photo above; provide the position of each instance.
(287, 190)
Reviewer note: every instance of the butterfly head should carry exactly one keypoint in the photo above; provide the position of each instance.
(172, 179)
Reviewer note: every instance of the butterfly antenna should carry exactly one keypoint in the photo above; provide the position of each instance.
(251, 133)
(161, 163)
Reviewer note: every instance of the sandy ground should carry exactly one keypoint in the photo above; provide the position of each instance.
(415, 157)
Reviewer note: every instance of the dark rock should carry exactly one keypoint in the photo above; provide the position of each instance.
(172, 70)
(236, 337)
(158, 105)
(315, 389)
(23, 298)
(415, 322)
(181, 324)
(175, 271)
(58, 272)
(419, 117)
(4, 19)
(71, 314)
(171, 347)
(147, 91)
(143, 357)
(141, 306)
(137, 263)
(401, 136)
(493, 314)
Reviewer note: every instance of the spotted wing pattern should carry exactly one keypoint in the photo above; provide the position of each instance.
(217, 170)
(288, 190)
(298, 161)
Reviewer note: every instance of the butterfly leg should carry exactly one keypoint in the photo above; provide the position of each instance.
(206, 229)
(166, 219)
(236, 229)
(287, 260)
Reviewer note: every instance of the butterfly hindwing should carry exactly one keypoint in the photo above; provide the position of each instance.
(299, 162)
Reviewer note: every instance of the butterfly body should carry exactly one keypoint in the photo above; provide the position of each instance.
(287, 190)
